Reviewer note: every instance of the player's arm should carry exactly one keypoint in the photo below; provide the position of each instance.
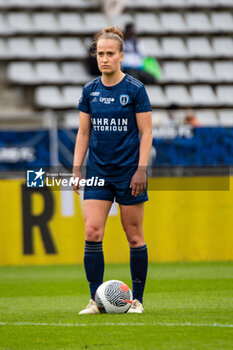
(81, 145)
(144, 123)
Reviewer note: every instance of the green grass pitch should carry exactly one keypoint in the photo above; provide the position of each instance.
(187, 306)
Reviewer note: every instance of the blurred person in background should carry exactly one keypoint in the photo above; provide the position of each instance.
(169, 119)
(112, 8)
(114, 110)
(91, 60)
(190, 118)
(133, 62)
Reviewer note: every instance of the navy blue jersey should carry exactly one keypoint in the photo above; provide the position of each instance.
(114, 139)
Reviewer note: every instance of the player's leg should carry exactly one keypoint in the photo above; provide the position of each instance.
(95, 214)
(132, 222)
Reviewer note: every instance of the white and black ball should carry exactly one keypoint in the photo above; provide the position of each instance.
(113, 297)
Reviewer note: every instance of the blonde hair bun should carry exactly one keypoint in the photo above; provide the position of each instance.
(115, 31)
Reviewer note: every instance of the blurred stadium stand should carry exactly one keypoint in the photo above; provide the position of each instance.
(44, 46)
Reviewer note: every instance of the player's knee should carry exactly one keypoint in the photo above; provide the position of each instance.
(134, 242)
(93, 233)
(134, 235)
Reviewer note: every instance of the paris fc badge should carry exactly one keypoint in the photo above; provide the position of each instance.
(124, 99)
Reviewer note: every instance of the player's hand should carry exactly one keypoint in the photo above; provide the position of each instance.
(77, 174)
(138, 182)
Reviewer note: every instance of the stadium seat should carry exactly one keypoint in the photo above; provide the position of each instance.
(20, 48)
(148, 3)
(225, 94)
(72, 47)
(157, 96)
(22, 4)
(202, 71)
(45, 22)
(200, 3)
(199, 47)
(173, 4)
(49, 97)
(175, 72)
(122, 20)
(74, 72)
(71, 119)
(225, 2)
(222, 21)
(94, 22)
(71, 96)
(198, 22)
(224, 71)
(223, 46)
(21, 73)
(226, 117)
(4, 4)
(77, 3)
(157, 117)
(28, 4)
(147, 23)
(179, 95)
(71, 23)
(151, 47)
(207, 117)
(46, 47)
(173, 22)
(174, 47)
(20, 22)
(203, 95)
(46, 3)
(48, 72)
(131, 4)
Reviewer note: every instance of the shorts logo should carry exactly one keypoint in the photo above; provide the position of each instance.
(35, 178)
(124, 99)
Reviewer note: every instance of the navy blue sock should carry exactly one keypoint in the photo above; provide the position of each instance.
(138, 267)
(94, 265)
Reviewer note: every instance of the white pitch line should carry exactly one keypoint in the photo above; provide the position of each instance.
(165, 324)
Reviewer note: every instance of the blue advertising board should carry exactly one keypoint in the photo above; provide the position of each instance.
(22, 149)
(181, 146)
(198, 147)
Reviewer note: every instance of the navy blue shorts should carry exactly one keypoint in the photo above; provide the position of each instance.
(115, 190)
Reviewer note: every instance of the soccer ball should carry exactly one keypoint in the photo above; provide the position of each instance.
(113, 297)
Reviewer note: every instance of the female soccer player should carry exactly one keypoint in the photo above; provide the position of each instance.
(114, 110)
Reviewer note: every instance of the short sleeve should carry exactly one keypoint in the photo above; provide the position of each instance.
(84, 104)
(142, 102)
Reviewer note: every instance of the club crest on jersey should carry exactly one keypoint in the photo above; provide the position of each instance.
(124, 99)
